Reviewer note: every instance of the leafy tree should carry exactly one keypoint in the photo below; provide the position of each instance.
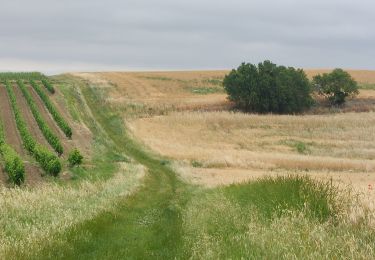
(75, 158)
(268, 88)
(336, 86)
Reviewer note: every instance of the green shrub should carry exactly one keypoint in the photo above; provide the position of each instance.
(14, 165)
(60, 121)
(268, 88)
(75, 158)
(336, 86)
(47, 160)
(48, 86)
(52, 139)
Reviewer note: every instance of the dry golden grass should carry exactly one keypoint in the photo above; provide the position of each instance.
(162, 91)
(173, 89)
(362, 76)
(158, 93)
(229, 145)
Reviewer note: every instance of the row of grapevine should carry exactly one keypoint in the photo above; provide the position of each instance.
(47, 160)
(14, 166)
(22, 75)
(51, 108)
(52, 139)
(48, 86)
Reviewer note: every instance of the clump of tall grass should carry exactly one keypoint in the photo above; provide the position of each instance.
(283, 218)
(274, 196)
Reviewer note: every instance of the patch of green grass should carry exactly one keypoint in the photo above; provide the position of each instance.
(283, 218)
(196, 164)
(205, 90)
(370, 86)
(157, 78)
(300, 146)
(272, 197)
(213, 81)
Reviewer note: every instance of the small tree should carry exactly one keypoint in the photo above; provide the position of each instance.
(336, 86)
(75, 158)
(268, 88)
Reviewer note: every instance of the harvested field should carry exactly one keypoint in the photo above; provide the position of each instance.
(219, 148)
(160, 92)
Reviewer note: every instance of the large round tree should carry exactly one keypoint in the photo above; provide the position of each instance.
(268, 88)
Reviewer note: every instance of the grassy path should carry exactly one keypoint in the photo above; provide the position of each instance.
(145, 225)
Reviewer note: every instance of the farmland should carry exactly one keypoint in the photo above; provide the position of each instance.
(171, 170)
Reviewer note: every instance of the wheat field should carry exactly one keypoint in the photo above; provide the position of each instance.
(211, 145)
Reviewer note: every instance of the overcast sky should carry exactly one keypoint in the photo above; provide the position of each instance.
(86, 35)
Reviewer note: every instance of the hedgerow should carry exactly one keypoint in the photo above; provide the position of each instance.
(14, 166)
(52, 139)
(51, 108)
(47, 160)
(48, 86)
(22, 75)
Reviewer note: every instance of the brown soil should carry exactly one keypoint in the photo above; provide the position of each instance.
(11, 133)
(29, 118)
(66, 143)
(33, 173)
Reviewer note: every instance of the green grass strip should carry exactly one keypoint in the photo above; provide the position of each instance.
(51, 138)
(52, 109)
(47, 160)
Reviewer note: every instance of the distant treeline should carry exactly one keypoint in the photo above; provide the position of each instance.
(22, 75)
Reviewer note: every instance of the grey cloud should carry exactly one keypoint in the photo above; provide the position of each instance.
(168, 34)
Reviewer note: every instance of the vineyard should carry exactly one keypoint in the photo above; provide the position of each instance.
(39, 133)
